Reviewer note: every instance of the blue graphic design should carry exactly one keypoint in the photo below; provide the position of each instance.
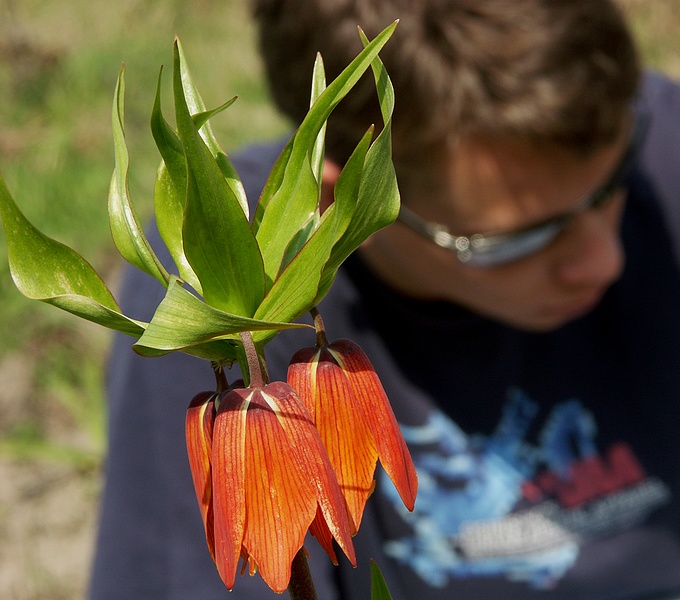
(478, 512)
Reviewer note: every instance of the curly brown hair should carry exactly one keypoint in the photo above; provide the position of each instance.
(555, 71)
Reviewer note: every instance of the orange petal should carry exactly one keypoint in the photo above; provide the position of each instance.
(313, 460)
(343, 428)
(301, 377)
(229, 481)
(199, 431)
(319, 529)
(371, 396)
(280, 499)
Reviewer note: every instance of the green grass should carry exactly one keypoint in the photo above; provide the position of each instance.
(58, 66)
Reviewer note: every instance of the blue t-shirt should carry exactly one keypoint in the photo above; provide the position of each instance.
(548, 463)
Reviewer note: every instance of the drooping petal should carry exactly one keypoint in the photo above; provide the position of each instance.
(344, 430)
(229, 481)
(369, 392)
(199, 433)
(280, 499)
(313, 460)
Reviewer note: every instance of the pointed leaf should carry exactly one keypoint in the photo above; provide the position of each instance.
(378, 180)
(196, 105)
(47, 270)
(294, 291)
(218, 241)
(202, 118)
(183, 321)
(286, 208)
(170, 190)
(127, 233)
(297, 288)
(379, 589)
(318, 86)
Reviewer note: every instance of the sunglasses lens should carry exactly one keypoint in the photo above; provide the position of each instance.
(486, 254)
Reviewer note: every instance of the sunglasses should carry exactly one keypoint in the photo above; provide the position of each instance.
(497, 249)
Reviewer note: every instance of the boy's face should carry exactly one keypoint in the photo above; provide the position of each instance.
(502, 186)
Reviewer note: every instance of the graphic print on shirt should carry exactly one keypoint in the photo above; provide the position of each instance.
(497, 505)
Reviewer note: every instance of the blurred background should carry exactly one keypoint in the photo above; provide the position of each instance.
(58, 65)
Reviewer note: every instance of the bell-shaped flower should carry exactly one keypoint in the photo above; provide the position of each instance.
(199, 431)
(271, 476)
(346, 399)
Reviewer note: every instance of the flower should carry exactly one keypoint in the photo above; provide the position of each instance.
(343, 393)
(271, 476)
(199, 432)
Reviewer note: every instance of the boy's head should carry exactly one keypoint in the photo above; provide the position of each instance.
(511, 116)
(557, 71)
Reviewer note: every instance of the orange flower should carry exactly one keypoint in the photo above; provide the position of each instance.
(270, 477)
(349, 406)
(199, 432)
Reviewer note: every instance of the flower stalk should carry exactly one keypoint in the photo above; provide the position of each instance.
(301, 586)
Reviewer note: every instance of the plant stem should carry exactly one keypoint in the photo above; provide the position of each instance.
(220, 377)
(256, 373)
(301, 586)
(321, 339)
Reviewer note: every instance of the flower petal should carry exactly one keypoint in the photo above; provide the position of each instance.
(369, 392)
(199, 431)
(342, 425)
(280, 500)
(229, 481)
(313, 460)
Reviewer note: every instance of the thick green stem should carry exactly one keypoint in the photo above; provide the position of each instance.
(301, 586)
(321, 339)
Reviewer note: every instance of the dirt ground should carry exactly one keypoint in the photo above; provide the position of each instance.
(48, 502)
(47, 524)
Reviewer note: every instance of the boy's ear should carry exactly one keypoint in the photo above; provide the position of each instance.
(331, 172)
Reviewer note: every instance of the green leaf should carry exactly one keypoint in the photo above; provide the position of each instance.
(378, 182)
(47, 270)
(184, 322)
(379, 589)
(171, 180)
(196, 106)
(287, 207)
(318, 86)
(170, 190)
(316, 163)
(297, 288)
(202, 118)
(127, 234)
(218, 241)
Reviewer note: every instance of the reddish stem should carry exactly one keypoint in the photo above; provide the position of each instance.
(220, 377)
(301, 586)
(257, 375)
(321, 338)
